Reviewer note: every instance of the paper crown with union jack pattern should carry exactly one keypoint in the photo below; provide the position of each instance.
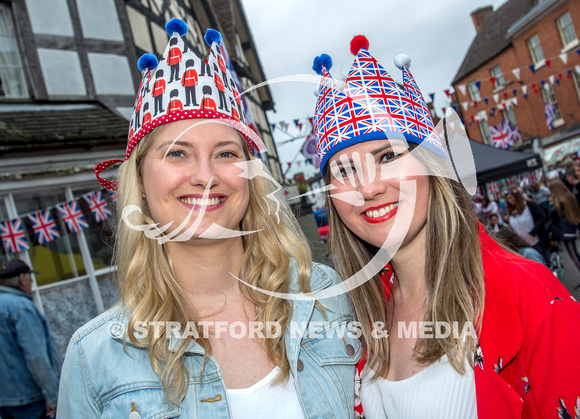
(372, 106)
(183, 86)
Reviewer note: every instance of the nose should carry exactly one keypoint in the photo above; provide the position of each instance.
(204, 174)
(372, 187)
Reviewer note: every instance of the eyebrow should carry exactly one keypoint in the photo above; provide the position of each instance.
(188, 145)
(373, 152)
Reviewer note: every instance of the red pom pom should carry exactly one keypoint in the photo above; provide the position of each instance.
(358, 42)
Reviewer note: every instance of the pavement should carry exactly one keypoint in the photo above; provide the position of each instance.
(571, 272)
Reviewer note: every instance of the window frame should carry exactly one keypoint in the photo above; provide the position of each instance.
(562, 30)
(499, 82)
(20, 66)
(474, 93)
(533, 49)
(484, 131)
(550, 98)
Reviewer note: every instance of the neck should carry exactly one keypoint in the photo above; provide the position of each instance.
(409, 266)
(204, 269)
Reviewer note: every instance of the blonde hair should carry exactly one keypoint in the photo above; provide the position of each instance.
(565, 200)
(151, 292)
(455, 290)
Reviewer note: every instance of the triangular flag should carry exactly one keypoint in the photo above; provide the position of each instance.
(296, 122)
(564, 58)
(549, 63)
(515, 92)
(551, 78)
(492, 80)
(273, 126)
(505, 95)
(465, 105)
(515, 101)
(543, 82)
(486, 100)
(516, 72)
(526, 96)
(444, 109)
(569, 73)
(462, 88)
(432, 96)
(496, 97)
(525, 89)
(475, 103)
(478, 84)
(578, 51)
(532, 68)
(447, 92)
(558, 82)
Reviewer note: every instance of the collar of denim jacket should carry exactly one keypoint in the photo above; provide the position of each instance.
(15, 291)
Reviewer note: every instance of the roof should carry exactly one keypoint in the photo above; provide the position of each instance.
(493, 163)
(47, 126)
(491, 38)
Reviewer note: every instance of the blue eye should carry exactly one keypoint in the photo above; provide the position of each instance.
(176, 154)
(227, 155)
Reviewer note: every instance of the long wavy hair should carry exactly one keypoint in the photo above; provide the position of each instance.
(151, 292)
(564, 201)
(455, 290)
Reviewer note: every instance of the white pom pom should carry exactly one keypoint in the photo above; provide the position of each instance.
(402, 59)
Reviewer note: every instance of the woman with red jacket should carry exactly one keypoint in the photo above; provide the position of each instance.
(454, 325)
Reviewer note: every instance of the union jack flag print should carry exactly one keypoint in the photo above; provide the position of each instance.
(72, 216)
(550, 115)
(13, 236)
(98, 205)
(44, 226)
(502, 135)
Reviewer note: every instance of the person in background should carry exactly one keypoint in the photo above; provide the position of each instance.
(516, 244)
(30, 363)
(565, 217)
(494, 223)
(541, 195)
(391, 203)
(528, 220)
(572, 181)
(490, 207)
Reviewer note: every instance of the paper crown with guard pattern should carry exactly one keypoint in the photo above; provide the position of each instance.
(183, 86)
(371, 107)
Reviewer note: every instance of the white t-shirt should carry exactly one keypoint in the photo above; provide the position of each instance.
(265, 400)
(522, 224)
(437, 392)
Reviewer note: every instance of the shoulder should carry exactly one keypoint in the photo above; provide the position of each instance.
(327, 275)
(16, 302)
(100, 324)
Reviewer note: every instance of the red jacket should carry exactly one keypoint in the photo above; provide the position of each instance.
(174, 55)
(208, 103)
(221, 63)
(174, 106)
(218, 82)
(529, 341)
(189, 78)
(158, 87)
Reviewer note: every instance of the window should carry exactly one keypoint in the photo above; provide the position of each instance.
(535, 48)
(12, 82)
(566, 29)
(499, 81)
(508, 114)
(484, 129)
(473, 91)
(576, 80)
(550, 97)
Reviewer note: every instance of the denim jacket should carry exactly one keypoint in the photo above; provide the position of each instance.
(101, 379)
(29, 359)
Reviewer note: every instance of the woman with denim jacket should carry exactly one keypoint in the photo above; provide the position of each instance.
(204, 251)
(454, 326)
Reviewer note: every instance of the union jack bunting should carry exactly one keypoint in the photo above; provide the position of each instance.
(13, 236)
(371, 107)
(44, 226)
(308, 150)
(503, 135)
(72, 216)
(550, 115)
(98, 205)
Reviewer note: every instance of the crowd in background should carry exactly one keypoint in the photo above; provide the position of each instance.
(536, 221)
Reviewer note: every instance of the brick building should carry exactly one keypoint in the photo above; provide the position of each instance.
(68, 79)
(525, 54)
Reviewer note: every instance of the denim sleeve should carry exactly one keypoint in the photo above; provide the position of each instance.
(33, 340)
(74, 398)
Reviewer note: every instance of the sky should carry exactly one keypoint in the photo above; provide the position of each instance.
(289, 34)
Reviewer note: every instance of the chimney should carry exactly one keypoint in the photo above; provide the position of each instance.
(479, 16)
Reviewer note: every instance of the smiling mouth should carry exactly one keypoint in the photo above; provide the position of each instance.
(381, 211)
(200, 202)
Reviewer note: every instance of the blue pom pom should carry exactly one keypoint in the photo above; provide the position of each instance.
(211, 36)
(323, 61)
(176, 25)
(147, 62)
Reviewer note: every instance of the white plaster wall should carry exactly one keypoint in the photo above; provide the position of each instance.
(50, 17)
(111, 74)
(99, 19)
(139, 29)
(62, 72)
